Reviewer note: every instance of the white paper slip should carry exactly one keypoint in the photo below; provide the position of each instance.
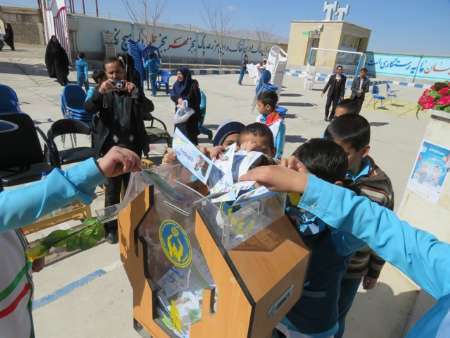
(193, 159)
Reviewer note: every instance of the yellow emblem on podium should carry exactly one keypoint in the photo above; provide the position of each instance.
(175, 244)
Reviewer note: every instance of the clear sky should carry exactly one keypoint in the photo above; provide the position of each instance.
(411, 26)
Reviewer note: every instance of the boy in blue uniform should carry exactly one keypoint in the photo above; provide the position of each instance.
(352, 133)
(417, 253)
(82, 71)
(316, 313)
(266, 104)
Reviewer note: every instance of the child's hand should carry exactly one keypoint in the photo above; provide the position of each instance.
(277, 178)
(369, 282)
(170, 157)
(214, 152)
(38, 264)
(291, 163)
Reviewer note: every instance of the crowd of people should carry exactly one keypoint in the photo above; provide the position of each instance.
(339, 199)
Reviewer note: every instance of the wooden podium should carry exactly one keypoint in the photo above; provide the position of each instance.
(256, 282)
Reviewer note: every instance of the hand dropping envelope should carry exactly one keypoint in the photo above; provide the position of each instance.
(193, 159)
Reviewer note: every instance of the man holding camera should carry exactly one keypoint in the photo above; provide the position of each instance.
(119, 110)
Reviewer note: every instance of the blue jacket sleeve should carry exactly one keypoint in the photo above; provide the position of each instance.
(279, 141)
(24, 205)
(417, 253)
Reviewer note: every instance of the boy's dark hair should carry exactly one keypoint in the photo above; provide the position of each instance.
(112, 60)
(81, 55)
(261, 130)
(351, 129)
(268, 97)
(323, 158)
(339, 66)
(349, 105)
(98, 75)
(364, 69)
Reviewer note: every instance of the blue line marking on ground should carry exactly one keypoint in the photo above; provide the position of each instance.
(69, 288)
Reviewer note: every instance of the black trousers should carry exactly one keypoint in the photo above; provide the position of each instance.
(331, 100)
(113, 188)
(359, 102)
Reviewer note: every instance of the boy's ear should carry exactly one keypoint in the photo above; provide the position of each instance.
(365, 151)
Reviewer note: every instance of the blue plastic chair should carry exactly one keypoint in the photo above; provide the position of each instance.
(391, 93)
(72, 104)
(9, 103)
(163, 79)
(376, 97)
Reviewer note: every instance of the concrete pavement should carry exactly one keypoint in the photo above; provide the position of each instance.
(88, 295)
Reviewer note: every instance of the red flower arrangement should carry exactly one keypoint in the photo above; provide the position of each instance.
(437, 97)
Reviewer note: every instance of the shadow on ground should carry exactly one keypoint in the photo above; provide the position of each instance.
(381, 305)
(290, 116)
(291, 94)
(378, 124)
(295, 139)
(22, 68)
(296, 104)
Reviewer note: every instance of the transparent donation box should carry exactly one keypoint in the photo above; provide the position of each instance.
(188, 251)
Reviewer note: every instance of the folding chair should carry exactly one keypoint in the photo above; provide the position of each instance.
(75, 154)
(9, 103)
(155, 134)
(376, 96)
(390, 93)
(22, 158)
(163, 79)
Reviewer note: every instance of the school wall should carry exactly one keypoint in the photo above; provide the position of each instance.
(435, 68)
(26, 23)
(175, 45)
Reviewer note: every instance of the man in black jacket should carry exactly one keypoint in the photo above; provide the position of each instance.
(336, 92)
(120, 109)
(360, 86)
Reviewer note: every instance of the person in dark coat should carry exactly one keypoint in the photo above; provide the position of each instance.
(132, 75)
(57, 61)
(243, 69)
(119, 111)
(9, 36)
(360, 86)
(185, 88)
(336, 92)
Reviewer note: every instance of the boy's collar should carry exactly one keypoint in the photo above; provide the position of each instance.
(366, 167)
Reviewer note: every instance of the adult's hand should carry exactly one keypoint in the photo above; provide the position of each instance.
(129, 86)
(106, 86)
(118, 161)
(278, 178)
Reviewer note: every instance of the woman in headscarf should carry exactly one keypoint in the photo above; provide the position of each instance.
(57, 61)
(9, 36)
(185, 88)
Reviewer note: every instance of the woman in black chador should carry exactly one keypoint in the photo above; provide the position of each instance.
(57, 61)
(9, 36)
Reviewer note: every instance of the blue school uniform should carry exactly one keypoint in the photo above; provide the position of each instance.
(279, 134)
(417, 253)
(82, 73)
(316, 313)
